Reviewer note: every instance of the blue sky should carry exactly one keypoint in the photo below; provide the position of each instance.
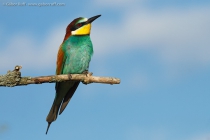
(159, 49)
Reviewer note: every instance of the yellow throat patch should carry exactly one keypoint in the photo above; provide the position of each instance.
(84, 30)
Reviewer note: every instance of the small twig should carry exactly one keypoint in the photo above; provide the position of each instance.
(13, 78)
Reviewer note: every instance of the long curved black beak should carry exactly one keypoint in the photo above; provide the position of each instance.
(90, 20)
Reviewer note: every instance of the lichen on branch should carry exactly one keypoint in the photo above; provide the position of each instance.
(13, 78)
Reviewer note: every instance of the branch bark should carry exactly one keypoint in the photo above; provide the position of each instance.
(13, 78)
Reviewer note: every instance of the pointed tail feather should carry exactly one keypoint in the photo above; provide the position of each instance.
(52, 116)
(48, 127)
(68, 97)
(61, 98)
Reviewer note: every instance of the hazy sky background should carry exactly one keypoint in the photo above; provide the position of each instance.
(159, 49)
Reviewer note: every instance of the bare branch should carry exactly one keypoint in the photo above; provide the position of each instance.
(13, 78)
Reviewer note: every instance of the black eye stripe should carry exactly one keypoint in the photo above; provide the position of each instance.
(78, 25)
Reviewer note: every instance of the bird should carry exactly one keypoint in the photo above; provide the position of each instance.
(74, 56)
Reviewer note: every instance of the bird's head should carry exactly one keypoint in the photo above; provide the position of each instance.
(80, 26)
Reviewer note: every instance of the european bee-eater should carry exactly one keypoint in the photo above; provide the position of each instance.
(73, 57)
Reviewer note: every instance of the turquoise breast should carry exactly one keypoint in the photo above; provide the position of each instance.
(78, 51)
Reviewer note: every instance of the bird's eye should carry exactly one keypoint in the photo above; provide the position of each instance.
(79, 25)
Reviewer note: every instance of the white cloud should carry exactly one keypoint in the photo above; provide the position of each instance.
(175, 29)
(30, 53)
(178, 36)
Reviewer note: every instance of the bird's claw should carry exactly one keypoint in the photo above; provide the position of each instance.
(89, 74)
(86, 80)
(69, 76)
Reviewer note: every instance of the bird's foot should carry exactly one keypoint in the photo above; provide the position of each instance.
(88, 74)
